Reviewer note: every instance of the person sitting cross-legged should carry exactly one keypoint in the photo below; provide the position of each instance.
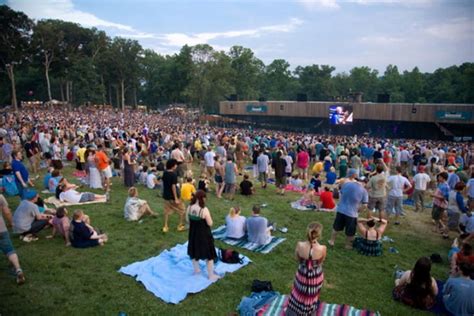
(27, 220)
(235, 224)
(369, 243)
(258, 228)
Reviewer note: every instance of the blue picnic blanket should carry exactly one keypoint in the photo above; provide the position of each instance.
(220, 234)
(170, 277)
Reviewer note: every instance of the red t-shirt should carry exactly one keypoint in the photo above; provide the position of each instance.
(327, 200)
(303, 159)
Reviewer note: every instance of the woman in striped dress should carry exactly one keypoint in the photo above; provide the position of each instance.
(304, 298)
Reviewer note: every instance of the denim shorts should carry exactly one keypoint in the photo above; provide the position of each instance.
(6, 244)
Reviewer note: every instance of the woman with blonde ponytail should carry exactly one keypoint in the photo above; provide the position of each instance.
(304, 298)
(235, 224)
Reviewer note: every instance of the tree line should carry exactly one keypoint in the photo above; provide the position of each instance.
(54, 59)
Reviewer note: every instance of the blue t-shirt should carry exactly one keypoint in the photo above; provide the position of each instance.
(452, 180)
(470, 188)
(459, 296)
(352, 195)
(257, 229)
(46, 180)
(444, 189)
(331, 177)
(19, 166)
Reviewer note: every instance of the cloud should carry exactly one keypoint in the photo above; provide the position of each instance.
(180, 39)
(63, 10)
(380, 40)
(455, 29)
(400, 2)
(312, 5)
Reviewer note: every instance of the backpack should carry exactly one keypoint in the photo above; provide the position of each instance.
(9, 185)
(229, 256)
(261, 286)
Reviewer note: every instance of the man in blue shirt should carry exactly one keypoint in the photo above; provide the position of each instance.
(470, 188)
(353, 195)
(21, 173)
(453, 178)
(458, 292)
(258, 230)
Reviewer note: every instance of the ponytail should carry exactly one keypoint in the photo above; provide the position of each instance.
(234, 211)
(314, 231)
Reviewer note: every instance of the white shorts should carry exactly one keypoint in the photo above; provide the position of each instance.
(107, 172)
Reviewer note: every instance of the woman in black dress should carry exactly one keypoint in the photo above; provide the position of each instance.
(128, 172)
(201, 242)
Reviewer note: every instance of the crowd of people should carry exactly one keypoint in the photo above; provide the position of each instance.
(187, 162)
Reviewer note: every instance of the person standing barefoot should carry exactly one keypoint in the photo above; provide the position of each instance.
(201, 242)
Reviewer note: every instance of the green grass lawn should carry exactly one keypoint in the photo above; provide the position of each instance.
(63, 280)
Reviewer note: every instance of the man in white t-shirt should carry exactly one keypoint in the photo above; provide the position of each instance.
(209, 160)
(152, 181)
(398, 185)
(421, 180)
(404, 158)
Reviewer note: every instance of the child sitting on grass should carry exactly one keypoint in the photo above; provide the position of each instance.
(187, 190)
(61, 225)
(246, 186)
(84, 235)
(203, 183)
(309, 199)
(315, 182)
(296, 184)
(142, 175)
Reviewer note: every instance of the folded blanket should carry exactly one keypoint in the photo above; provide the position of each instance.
(57, 203)
(297, 206)
(220, 234)
(277, 306)
(170, 276)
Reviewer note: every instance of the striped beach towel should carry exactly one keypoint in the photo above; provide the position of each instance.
(219, 234)
(277, 306)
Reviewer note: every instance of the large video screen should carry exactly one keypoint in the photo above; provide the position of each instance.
(340, 114)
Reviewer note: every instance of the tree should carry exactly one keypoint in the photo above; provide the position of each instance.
(181, 73)
(124, 58)
(210, 77)
(47, 36)
(156, 75)
(413, 86)
(316, 81)
(277, 80)
(342, 85)
(365, 80)
(247, 72)
(391, 83)
(14, 40)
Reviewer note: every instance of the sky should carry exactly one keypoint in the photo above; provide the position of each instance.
(428, 34)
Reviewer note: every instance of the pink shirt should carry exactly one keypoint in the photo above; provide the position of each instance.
(61, 225)
(303, 159)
